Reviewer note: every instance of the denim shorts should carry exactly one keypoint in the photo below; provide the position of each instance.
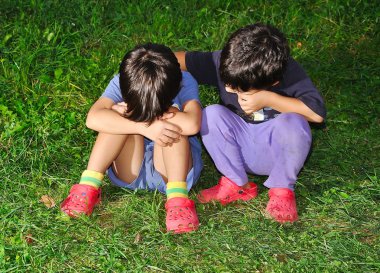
(150, 179)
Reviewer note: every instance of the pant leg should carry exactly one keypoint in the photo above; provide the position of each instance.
(225, 136)
(277, 148)
(289, 141)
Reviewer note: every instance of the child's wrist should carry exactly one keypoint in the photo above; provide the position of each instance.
(141, 128)
(270, 99)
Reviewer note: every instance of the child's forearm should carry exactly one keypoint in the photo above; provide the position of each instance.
(253, 101)
(108, 121)
(189, 120)
(286, 104)
(189, 123)
(103, 119)
(180, 55)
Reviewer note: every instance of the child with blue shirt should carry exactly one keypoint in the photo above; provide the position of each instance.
(261, 126)
(146, 118)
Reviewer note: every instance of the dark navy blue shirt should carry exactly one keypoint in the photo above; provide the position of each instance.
(204, 66)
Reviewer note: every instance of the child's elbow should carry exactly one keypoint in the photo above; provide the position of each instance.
(194, 128)
(317, 119)
(90, 122)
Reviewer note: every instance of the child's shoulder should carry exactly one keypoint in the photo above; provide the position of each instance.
(186, 76)
(188, 80)
(294, 73)
(189, 89)
(112, 90)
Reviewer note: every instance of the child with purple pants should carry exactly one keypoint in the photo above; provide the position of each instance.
(261, 126)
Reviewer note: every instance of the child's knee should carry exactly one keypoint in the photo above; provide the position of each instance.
(293, 121)
(293, 128)
(213, 117)
(124, 174)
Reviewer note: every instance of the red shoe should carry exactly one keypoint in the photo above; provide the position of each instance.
(227, 191)
(181, 216)
(282, 205)
(81, 200)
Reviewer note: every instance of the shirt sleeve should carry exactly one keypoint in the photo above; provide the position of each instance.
(203, 67)
(113, 91)
(306, 92)
(298, 85)
(189, 90)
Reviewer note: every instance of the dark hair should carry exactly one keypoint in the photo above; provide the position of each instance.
(150, 78)
(254, 57)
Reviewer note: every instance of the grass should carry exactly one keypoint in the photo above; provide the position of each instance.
(56, 57)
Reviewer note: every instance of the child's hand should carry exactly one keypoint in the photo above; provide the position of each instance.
(120, 108)
(163, 133)
(170, 113)
(251, 101)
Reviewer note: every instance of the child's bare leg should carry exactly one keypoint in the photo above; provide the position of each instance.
(107, 148)
(173, 163)
(128, 162)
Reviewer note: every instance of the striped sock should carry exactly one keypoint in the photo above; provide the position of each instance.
(92, 178)
(176, 189)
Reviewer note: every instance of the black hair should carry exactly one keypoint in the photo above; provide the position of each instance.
(254, 57)
(150, 78)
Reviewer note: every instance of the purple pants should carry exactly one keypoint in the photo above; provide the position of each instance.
(277, 148)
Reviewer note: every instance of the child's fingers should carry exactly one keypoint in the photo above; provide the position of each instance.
(160, 143)
(168, 137)
(166, 140)
(167, 115)
(119, 108)
(174, 128)
(248, 111)
(172, 134)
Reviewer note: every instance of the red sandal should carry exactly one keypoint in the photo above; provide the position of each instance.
(81, 200)
(181, 216)
(282, 205)
(227, 191)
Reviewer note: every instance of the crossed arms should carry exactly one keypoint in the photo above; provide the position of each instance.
(105, 116)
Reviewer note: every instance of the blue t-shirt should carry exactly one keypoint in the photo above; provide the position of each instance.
(189, 91)
(204, 66)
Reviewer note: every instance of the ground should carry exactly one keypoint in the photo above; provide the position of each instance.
(56, 58)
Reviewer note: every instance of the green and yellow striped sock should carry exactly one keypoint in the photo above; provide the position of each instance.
(176, 189)
(92, 178)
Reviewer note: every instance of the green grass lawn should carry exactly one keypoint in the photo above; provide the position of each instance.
(56, 58)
